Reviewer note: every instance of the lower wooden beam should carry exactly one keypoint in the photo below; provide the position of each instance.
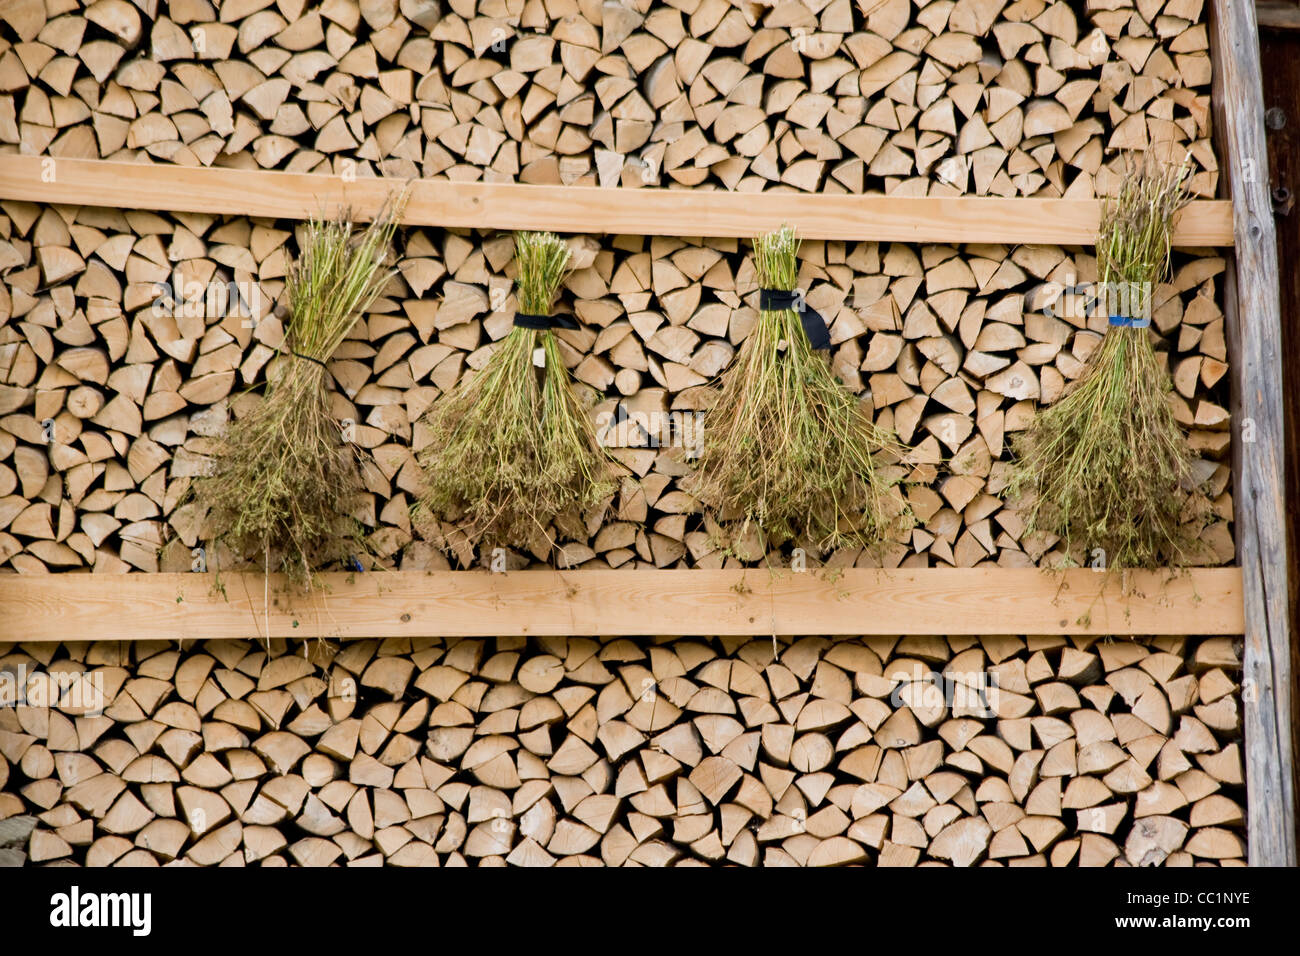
(582, 209)
(975, 601)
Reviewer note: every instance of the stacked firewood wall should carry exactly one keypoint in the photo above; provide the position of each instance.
(110, 399)
(1028, 751)
(114, 383)
(124, 350)
(908, 97)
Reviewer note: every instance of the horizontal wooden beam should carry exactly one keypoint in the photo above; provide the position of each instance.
(1278, 14)
(582, 209)
(80, 607)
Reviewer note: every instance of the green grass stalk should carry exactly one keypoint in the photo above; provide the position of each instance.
(787, 446)
(283, 479)
(512, 448)
(1107, 466)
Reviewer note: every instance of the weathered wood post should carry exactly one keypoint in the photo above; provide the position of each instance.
(1253, 311)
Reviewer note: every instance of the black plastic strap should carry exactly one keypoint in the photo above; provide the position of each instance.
(525, 320)
(814, 326)
(309, 358)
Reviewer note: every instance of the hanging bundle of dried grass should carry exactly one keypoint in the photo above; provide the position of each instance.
(1107, 466)
(511, 447)
(787, 446)
(283, 478)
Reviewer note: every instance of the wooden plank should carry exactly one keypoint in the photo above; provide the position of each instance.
(1278, 14)
(1255, 336)
(60, 607)
(642, 212)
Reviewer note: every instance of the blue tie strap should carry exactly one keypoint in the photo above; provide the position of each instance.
(1129, 321)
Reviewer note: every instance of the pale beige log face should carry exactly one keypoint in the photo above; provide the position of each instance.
(980, 98)
(541, 751)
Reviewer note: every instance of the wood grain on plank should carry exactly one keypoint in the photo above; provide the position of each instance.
(1255, 335)
(643, 212)
(61, 607)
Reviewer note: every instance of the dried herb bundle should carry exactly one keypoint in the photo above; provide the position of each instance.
(511, 447)
(787, 446)
(283, 479)
(1107, 466)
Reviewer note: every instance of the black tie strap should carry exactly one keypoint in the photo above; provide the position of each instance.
(309, 358)
(525, 320)
(814, 326)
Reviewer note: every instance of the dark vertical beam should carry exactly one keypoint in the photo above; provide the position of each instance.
(1279, 52)
(1255, 327)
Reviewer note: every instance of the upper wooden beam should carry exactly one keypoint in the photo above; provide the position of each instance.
(1253, 312)
(581, 209)
(972, 601)
(1278, 14)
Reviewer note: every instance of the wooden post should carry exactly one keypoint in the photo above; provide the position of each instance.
(1255, 326)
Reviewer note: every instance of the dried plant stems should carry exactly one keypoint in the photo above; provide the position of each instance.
(787, 446)
(1108, 466)
(511, 448)
(283, 478)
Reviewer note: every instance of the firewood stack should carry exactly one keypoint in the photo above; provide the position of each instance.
(1022, 751)
(650, 751)
(108, 405)
(988, 97)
